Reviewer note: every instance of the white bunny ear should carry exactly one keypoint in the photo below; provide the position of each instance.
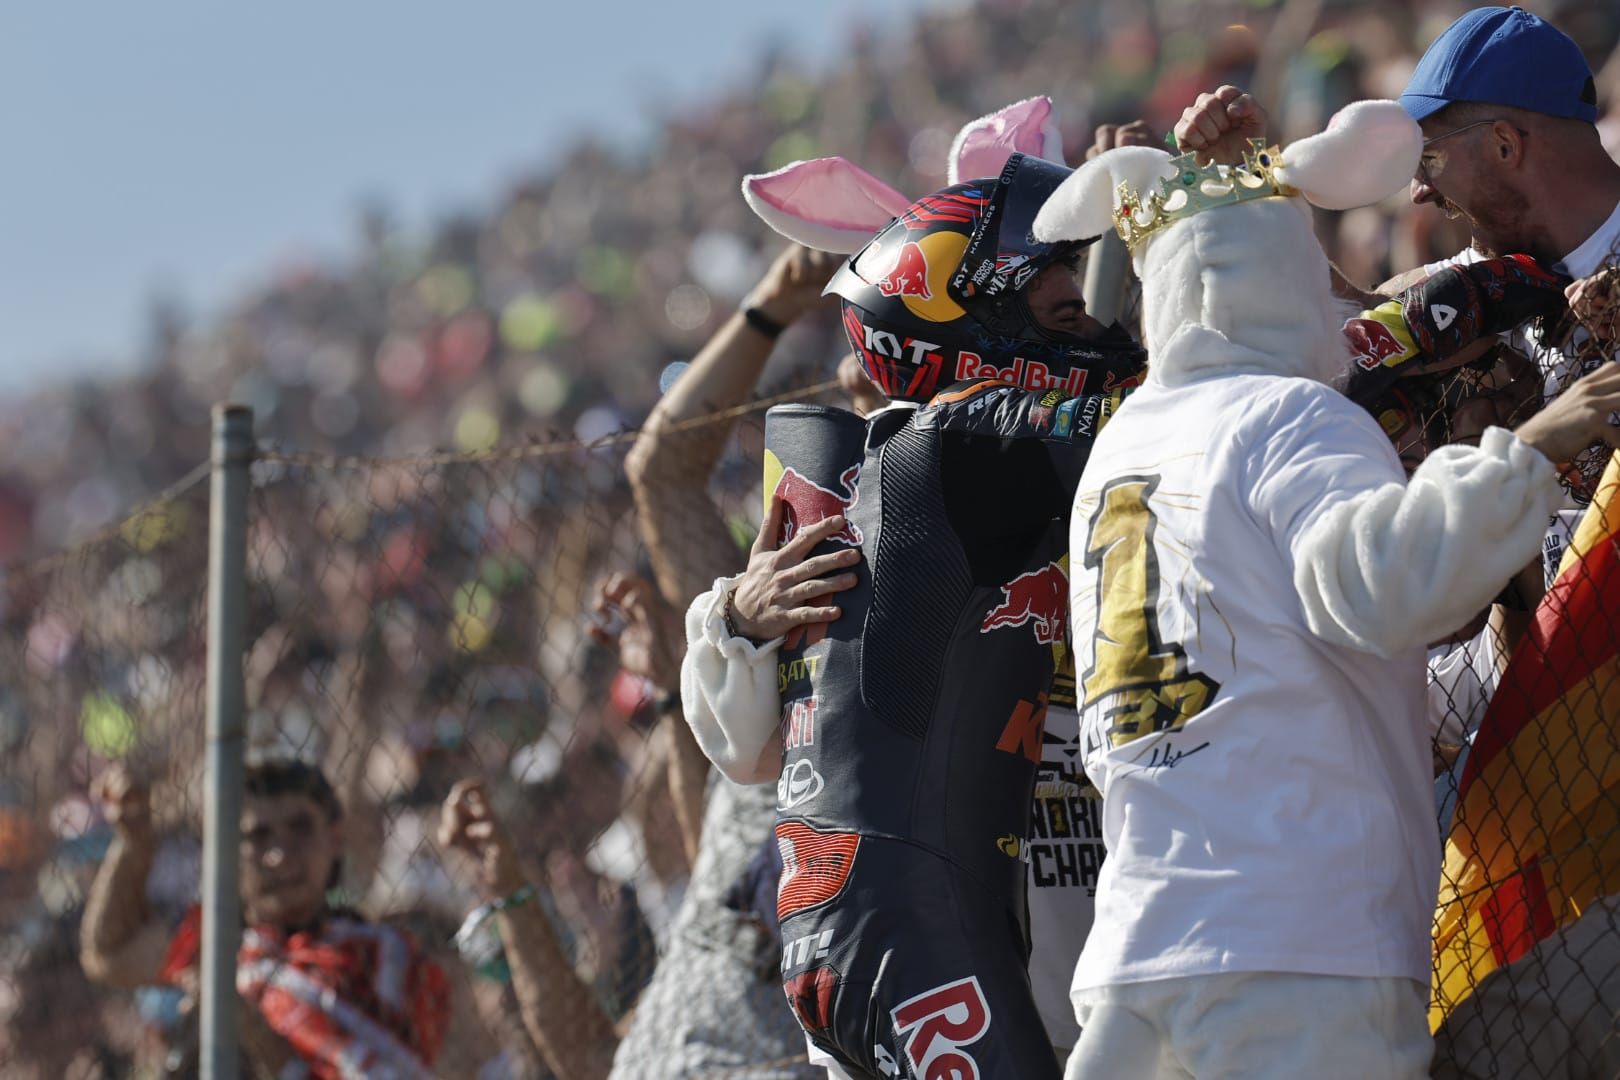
(983, 146)
(828, 203)
(1083, 205)
(1368, 152)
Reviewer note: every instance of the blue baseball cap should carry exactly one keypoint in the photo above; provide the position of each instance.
(1503, 56)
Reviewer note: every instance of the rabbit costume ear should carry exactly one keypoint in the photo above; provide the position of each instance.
(1083, 205)
(983, 146)
(1368, 152)
(827, 204)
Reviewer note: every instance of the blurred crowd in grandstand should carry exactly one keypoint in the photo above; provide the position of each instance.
(395, 605)
(558, 310)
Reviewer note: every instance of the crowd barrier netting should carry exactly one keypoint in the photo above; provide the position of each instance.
(409, 623)
(1528, 765)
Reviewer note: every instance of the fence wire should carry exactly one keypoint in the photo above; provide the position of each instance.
(101, 661)
(1527, 755)
(411, 623)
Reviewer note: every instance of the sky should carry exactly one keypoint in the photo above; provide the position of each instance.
(187, 147)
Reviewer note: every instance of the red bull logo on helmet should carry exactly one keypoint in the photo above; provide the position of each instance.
(807, 502)
(1040, 598)
(917, 272)
(1029, 374)
(909, 275)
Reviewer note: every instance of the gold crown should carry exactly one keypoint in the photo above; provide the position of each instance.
(1195, 188)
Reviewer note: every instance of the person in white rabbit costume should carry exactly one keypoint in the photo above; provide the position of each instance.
(1254, 583)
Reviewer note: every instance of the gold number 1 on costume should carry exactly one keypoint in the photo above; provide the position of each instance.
(1141, 681)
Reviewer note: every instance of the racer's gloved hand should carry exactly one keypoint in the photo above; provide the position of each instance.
(1444, 314)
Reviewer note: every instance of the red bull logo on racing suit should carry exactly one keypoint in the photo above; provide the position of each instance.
(938, 1025)
(807, 502)
(1040, 597)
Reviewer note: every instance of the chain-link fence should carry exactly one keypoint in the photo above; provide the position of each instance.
(1526, 754)
(411, 623)
(103, 660)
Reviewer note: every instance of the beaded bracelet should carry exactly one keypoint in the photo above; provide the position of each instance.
(728, 617)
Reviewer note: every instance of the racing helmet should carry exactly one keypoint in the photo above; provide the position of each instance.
(940, 295)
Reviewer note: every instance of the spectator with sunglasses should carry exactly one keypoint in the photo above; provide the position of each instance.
(1508, 108)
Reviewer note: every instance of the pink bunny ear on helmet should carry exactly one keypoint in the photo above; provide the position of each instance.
(983, 146)
(827, 204)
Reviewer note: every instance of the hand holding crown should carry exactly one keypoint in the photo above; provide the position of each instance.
(1195, 188)
(1219, 126)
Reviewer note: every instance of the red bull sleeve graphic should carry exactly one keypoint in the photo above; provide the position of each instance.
(995, 406)
(1443, 314)
(808, 503)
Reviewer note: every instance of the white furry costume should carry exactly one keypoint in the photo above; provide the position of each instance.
(1253, 585)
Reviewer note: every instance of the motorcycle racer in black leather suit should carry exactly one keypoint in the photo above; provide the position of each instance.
(910, 728)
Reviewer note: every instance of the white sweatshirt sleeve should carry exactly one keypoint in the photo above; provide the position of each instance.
(729, 693)
(1402, 565)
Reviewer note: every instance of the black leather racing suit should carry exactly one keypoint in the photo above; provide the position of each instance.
(912, 725)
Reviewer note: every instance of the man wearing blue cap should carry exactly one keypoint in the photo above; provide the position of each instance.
(1508, 105)
(1508, 108)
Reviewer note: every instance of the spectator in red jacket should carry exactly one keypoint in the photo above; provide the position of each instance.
(323, 992)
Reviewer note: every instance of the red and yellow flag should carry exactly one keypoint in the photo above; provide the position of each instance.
(1536, 835)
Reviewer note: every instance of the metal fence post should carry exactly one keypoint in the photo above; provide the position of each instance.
(1104, 287)
(227, 574)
